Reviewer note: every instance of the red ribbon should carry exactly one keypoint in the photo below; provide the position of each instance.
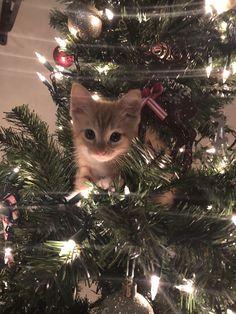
(149, 95)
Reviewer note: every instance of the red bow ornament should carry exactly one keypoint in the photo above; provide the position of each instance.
(149, 95)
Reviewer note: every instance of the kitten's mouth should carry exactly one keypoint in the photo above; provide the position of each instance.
(103, 157)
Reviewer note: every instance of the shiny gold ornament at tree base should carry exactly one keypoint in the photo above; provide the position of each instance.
(118, 303)
(86, 23)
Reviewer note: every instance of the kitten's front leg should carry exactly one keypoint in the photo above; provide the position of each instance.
(83, 177)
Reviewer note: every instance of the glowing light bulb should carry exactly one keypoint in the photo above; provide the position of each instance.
(58, 76)
(41, 77)
(223, 37)
(8, 256)
(155, 282)
(16, 169)
(223, 26)
(68, 247)
(73, 30)
(95, 21)
(226, 74)
(181, 150)
(126, 190)
(41, 58)
(85, 193)
(230, 311)
(208, 7)
(60, 68)
(234, 219)
(234, 67)
(103, 69)
(208, 70)
(222, 165)
(95, 96)
(109, 14)
(61, 42)
(186, 287)
(209, 67)
(8, 250)
(60, 127)
(211, 150)
(218, 6)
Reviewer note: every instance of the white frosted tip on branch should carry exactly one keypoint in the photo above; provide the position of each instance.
(155, 282)
(41, 58)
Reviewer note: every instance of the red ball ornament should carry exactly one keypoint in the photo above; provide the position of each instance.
(61, 58)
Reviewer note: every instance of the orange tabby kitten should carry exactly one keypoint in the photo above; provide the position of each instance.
(102, 131)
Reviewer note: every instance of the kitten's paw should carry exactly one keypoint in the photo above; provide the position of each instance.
(105, 183)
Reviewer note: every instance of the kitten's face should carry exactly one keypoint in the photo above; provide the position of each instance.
(104, 130)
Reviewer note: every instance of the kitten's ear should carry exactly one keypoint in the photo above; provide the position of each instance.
(80, 99)
(132, 103)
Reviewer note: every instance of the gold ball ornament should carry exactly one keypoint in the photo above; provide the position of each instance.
(86, 23)
(118, 303)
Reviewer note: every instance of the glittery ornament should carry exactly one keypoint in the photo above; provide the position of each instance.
(118, 303)
(162, 51)
(61, 58)
(165, 52)
(85, 23)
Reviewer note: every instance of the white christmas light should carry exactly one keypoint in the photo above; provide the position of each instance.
(16, 169)
(234, 219)
(109, 14)
(208, 70)
(103, 69)
(68, 247)
(60, 127)
(222, 165)
(223, 37)
(60, 68)
(230, 312)
(58, 76)
(95, 96)
(219, 6)
(73, 30)
(8, 250)
(181, 150)
(209, 67)
(8, 257)
(226, 74)
(85, 193)
(155, 282)
(126, 190)
(41, 58)
(61, 42)
(187, 287)
(234, 67)
(211, 150)
(41, 77)
(95, 21)
(223, 26)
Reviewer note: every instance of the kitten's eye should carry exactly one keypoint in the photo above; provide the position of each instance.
(89, 134)
(115, 137)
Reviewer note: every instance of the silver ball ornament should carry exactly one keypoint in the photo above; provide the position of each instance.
(118, 303)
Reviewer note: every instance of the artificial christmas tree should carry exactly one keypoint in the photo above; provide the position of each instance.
(168, 231)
